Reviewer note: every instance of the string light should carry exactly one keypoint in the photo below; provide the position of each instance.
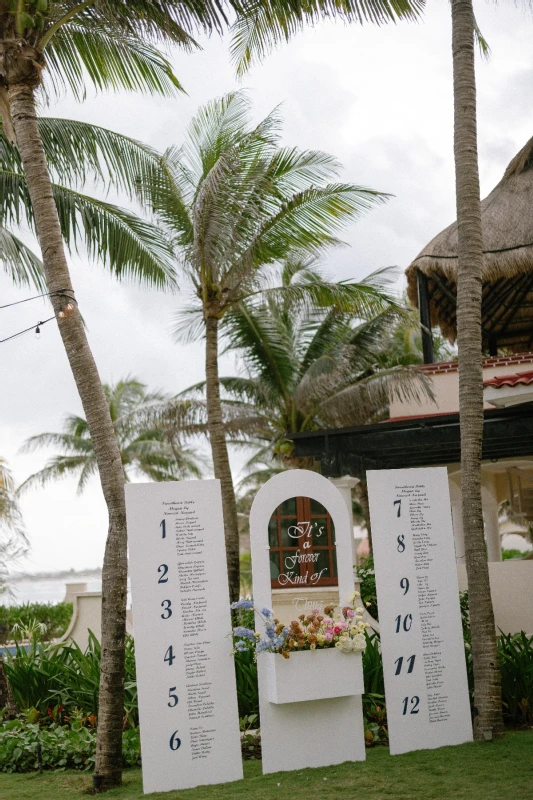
(63, 312)
(36, 328)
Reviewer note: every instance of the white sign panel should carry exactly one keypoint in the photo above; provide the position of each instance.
(419, 615)
(310, 704)
(185, 675)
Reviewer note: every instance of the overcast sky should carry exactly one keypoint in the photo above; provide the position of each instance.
(380, 99)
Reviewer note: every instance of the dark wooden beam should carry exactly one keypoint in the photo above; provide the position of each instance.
(425, 318)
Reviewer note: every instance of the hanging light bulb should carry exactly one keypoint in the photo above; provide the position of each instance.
(37, 332)
(61, 314)
(69, 308)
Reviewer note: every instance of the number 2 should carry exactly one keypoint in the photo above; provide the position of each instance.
(163, 567)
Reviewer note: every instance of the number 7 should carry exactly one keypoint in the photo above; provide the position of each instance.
(399, 504)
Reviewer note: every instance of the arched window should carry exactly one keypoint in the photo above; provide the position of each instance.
(301, 536)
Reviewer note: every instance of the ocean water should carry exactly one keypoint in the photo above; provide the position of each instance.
(46, 590)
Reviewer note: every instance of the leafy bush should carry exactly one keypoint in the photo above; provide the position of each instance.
(369, 596)
(55, 618)
(46, 675)
(510, 554)
(516, 664)
(25, 747)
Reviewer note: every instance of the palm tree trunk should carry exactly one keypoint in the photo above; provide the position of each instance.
(487, 680)
(114, 573)
(219, 450)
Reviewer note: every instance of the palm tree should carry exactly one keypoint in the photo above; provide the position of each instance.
(12, 537)
(487, 679)
(306, 367)
(12, 546)
(234, 204)
(147, 452)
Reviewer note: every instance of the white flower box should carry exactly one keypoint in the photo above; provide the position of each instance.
(313, 675)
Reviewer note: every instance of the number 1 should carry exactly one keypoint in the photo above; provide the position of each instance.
(163, 526)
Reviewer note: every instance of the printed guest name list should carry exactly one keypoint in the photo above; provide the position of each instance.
(185, 675)
(420, 620)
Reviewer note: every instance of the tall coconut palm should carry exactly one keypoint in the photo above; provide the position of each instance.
(306, 367)
(235, 203)
(487, 680)
(147, 452)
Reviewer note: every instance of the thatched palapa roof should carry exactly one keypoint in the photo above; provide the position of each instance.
(507, 220)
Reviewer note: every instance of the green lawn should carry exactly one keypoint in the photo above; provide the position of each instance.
(483, 771)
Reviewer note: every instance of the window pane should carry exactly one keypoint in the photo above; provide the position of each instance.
(290, 565)
(321, 566)
(320, 532)
(317, 508)
(290, 533)
(288, 507)
(274, 565)
(273, 533)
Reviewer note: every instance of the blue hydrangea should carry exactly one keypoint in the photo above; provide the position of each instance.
(241, 646)
(266, 612)
(242, 603)
(245, 633)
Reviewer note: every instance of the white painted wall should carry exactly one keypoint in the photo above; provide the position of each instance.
(511, 586)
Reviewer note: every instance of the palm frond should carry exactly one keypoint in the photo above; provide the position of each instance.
(368, 398)
(20, 263)
(88, 50)
(263, 26)
(118, 238)
(55, 469)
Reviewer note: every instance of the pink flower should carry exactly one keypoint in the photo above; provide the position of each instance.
(350, 613)
(329, 635)
(328, 621)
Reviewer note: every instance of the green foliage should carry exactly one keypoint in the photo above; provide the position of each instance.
(26, 747)
(369, 598)
(516, 665)
(145, 449)
(54, 616)
(510, 554)
(44, 676)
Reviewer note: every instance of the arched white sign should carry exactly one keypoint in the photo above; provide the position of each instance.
(311, 692)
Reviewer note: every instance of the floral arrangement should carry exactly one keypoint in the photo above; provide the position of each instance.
(335, 627)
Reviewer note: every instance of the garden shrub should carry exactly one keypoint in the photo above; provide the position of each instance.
(369, 598)
(26, 747)
(45, 675)
(55, 617)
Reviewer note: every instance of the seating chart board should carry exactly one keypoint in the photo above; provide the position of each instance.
(419, 615)
(186, 678)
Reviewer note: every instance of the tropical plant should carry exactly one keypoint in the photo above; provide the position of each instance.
(235, 204)
(12, 537)
(306, 366)
(149, 452)
(487, 679)
(54, 616)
